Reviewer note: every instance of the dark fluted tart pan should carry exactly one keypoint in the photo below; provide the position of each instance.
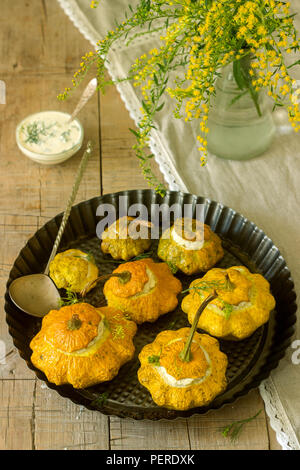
(250, 360)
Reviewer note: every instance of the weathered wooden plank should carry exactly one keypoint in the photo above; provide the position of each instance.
(62, 425)
(205, 432)
(48, 42)
(15, 230)
(36, 67)
(17, 414)
(139, 435)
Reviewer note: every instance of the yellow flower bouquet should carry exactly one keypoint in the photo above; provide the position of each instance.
(198, 38)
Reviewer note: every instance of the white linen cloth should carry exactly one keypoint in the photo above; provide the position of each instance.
(266, 189)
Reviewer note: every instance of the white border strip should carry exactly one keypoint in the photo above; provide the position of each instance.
(278, 419)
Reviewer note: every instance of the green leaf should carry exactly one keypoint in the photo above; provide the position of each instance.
(135, 133)
(154, 360)
(100, 401)
(173, 267)
(238, 75)
(160, 107)
(145, 107)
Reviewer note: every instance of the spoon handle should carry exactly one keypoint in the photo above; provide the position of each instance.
(86, 95)
(71, 200)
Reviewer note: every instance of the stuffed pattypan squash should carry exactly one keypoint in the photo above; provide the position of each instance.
(82, 345)
(123, 239)
(179, 385)
(73, 270)
(243, 302)
(150, 292)
(190, 246)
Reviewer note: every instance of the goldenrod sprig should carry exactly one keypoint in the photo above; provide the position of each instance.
(254, 36)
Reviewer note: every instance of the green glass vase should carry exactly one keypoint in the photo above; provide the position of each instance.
(240, 127)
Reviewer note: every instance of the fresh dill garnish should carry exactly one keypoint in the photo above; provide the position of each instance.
(87, 257)
(173, 267)
(149, 254)
(215, 285)
(154, 360)
(209, 285)
(34, 131)
(127, 316)
(65, 136)
(118, 332)
(101, 400)
(206, 285)
(234, 429)
(106, 324)
(70, 299)
(172, 324)
(227, 309)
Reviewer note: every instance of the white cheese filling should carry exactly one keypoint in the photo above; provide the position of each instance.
(187, 244)
(149, 286)
(186, 382)
(235, 308)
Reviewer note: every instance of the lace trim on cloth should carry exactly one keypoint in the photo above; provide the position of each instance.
(278, 419)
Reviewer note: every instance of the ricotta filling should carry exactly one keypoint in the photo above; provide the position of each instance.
(149, 286)
(235, 308)
(187, 244)
(186, 382)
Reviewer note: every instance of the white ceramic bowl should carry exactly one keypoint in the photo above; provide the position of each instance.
(49, 158)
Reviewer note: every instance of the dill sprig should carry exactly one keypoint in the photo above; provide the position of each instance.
(227, 309)
(34, 131)
(173, 267)
(214, 285)
(101, 400)
(206, 285)
(234, 429)
(70, 299)
(154, 360)
(118, 332)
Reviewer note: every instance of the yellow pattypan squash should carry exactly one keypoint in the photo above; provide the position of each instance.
(118, 242)
(193, 249)
(151, 291)
(83, 345)
(243, 302)
(179, 385)
(73, 270)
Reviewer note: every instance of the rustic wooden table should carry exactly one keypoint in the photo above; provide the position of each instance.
(39, 51)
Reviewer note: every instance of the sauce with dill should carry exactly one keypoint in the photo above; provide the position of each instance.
(49, 133)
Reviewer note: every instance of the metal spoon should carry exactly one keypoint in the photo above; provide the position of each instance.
(86, 95)
(36, 294)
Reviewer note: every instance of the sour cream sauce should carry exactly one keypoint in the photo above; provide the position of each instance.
(49, 133)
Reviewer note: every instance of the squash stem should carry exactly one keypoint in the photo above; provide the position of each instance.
(185, 354)
(124, 277)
